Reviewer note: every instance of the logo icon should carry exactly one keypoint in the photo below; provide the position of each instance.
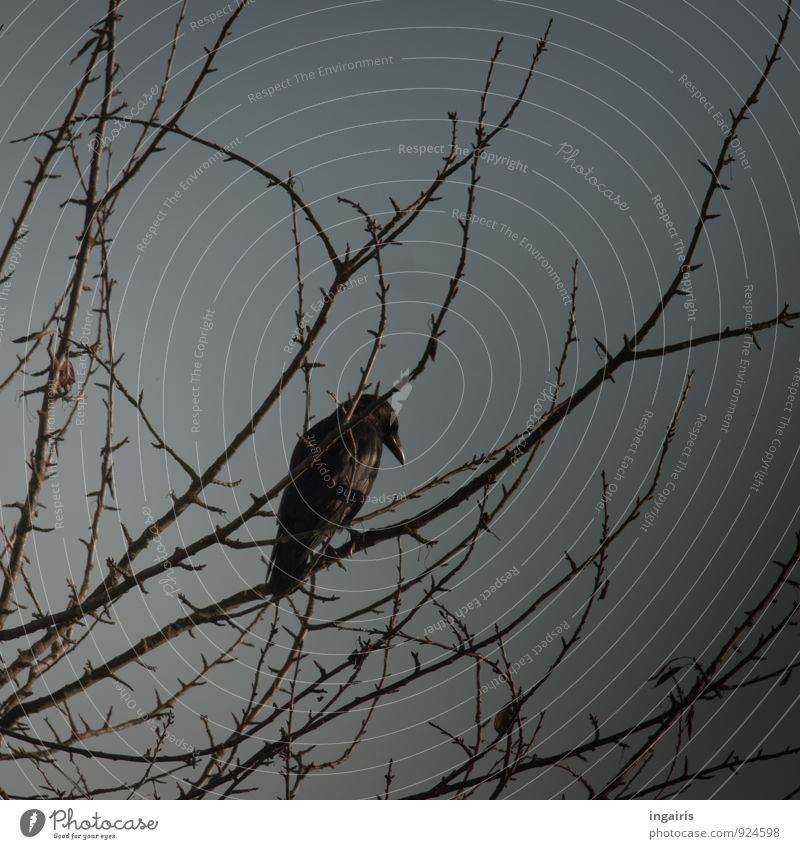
(31, 822)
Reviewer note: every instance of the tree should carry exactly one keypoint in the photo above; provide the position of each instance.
(76, 716)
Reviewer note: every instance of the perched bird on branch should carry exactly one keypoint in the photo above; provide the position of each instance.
(330, 492)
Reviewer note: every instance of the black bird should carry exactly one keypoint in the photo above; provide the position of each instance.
(330, 492)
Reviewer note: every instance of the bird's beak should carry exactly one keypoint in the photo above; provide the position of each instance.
(393, 444)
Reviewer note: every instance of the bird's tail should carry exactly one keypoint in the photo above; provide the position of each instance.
(289, 563)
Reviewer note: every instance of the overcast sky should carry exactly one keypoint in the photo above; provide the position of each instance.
(203, 255)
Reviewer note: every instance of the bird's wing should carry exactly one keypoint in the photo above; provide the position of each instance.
(327, 495)
(364, 448)
(332, 490)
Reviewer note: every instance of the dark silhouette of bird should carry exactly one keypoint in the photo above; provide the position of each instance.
(331, 491)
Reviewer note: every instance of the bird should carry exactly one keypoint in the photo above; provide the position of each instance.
(330, 492)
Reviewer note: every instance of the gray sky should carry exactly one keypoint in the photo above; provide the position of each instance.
(636, 92)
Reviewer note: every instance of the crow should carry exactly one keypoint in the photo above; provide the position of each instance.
(328, 494)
